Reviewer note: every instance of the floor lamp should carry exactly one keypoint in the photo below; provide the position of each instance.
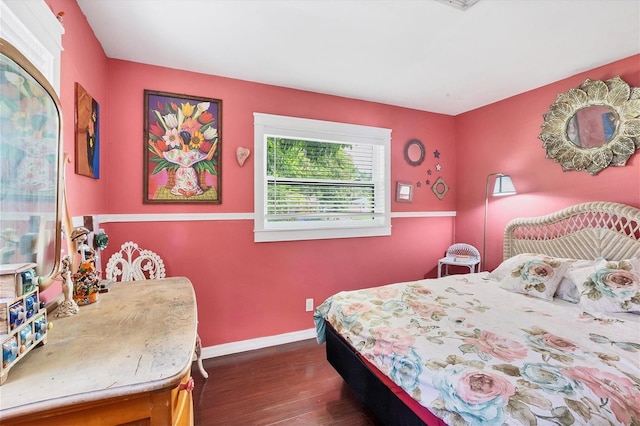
(503, 186)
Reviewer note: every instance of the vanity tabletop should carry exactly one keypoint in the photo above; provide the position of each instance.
(138, 337)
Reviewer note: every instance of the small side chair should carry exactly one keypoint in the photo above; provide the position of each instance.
(132, 263)
(460, 254)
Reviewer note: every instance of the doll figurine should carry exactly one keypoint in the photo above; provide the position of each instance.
(68, 306)
(86, 280)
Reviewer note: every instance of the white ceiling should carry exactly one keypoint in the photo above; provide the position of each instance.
(420, 54)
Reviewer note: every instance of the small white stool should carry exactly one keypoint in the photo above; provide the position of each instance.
(460, 254)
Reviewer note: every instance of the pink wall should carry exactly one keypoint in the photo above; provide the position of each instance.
(83, 61)
(247, 290)
(503, 137)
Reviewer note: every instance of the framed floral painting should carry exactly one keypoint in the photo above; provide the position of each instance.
(182, 137)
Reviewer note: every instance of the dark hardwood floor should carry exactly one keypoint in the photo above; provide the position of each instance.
(281, 385)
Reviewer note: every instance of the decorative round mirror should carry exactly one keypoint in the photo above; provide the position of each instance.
(414, 152)
(594, 126)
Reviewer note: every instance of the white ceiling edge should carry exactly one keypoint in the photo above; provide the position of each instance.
(409, 53)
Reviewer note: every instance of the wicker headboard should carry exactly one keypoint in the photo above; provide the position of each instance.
(584, 231)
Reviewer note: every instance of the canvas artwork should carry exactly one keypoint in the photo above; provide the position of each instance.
(87, 134)
(182, 137)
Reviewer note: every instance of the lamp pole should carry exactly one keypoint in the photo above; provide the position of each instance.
(486, 207)
(503, 186)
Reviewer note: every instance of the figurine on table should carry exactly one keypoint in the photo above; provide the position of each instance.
(86, 281)
(69, 306)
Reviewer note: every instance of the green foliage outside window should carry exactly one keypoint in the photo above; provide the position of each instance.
(317, 180)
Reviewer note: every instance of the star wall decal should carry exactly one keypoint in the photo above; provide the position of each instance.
(438, 167)
(436, 153)
(429, 172)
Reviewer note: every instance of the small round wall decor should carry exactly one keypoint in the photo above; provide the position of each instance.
(414, 152)
(440, 188)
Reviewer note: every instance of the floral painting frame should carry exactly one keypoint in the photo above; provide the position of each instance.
(182, 148)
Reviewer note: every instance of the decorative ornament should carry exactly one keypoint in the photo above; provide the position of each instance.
(414, 152)
(68, 306)
(440, 188)
(438, 167)
(86, 281)
(242, 154)
(100, 241)
(594, 126)
(436, 153)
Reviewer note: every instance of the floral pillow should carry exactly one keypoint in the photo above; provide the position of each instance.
(535, 275)
(609, 286)
(506, 267)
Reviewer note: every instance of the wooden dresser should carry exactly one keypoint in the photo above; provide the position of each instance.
(123, 360)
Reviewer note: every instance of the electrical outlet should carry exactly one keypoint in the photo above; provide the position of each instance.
(309, 305)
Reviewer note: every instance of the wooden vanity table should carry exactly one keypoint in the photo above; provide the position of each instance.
(125, 359)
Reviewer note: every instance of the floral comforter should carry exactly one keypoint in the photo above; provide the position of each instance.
(473, 353)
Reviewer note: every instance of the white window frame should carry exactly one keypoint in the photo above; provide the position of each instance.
(32, 28)
(266, 125)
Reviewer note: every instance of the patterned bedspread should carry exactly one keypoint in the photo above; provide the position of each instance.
(473, 353)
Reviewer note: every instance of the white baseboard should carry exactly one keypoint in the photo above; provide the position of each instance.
(258, 343)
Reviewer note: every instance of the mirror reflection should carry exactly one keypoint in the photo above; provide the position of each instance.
(29, 165)
(592, 126)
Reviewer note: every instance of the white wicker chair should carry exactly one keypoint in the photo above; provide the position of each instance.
(132, 263)
(460, 254)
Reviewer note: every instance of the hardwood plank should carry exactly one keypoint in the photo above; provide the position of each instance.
(281, 385)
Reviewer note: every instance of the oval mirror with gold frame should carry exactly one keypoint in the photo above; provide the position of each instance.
(594, 126)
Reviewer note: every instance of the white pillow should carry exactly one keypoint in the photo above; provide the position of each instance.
(567, 289)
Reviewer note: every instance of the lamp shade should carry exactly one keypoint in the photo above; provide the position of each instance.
(503, 186)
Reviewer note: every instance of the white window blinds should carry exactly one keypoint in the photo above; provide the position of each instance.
(317, 179)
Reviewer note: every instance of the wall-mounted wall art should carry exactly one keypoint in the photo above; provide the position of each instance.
(440, 188)
(87, 122)
(594, 126)
(404, 192)
(414, 152)
(182, 137)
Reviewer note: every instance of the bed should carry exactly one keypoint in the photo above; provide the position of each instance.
(551, 336)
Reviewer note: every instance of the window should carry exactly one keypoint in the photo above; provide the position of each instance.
(319, 179)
